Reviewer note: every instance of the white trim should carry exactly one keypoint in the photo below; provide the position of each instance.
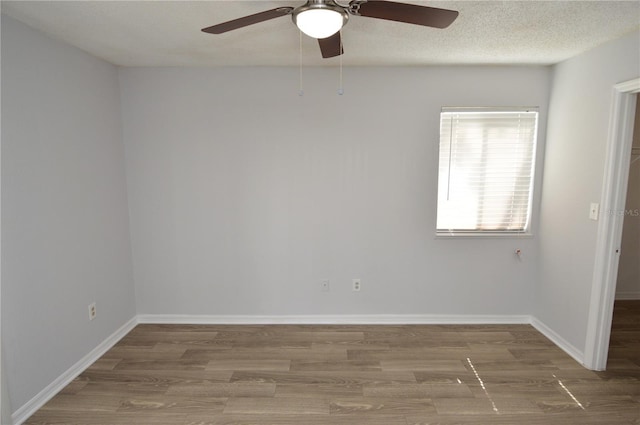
(631, 86)
(447, 234)
(628, 295)
(30, 407)
(616, 176)
(562, 343)
(364, 319)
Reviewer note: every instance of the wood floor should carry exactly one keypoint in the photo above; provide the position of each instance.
(333, 375)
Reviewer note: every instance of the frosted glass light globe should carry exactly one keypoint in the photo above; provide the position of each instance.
(319, 23)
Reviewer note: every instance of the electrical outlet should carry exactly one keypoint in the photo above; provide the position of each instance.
(92, 311)
(324, 285)
(356, 284)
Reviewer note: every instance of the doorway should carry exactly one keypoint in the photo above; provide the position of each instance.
(628, 280)
(624, 348)
(617, 165)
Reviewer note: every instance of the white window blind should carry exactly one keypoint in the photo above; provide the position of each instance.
(485, 179)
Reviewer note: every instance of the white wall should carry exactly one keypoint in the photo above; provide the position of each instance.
(573, 178)
(628, 282)
(65, 236)
(243, 194)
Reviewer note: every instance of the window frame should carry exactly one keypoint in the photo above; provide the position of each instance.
(468, 233)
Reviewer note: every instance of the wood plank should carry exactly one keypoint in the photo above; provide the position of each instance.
(318, 335)
(157, 377)
(173, 404)
(355, 406)
(234, 389)
(280, 406)
(447, 353)
(484, 406)
(322, 377)
(496, 366)
(318, 390)
(181, 364)
(142, 353)
(276, 419)
(138, 334)
(256, 365)
(531, 391)
(121, 389)
(85, 403)
(266, 353)
(444, 377)
(335, 365)
(511, 419)
(452, 390)
(423, 365)
(80, 417)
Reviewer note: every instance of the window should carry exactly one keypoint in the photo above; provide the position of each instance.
(485, 178)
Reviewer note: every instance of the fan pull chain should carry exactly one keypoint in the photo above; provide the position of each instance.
(300, 91)
(340, 86)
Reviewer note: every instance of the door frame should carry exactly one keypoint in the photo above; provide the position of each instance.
(616, 178)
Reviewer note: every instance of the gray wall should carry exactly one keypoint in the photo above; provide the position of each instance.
(579, 113)
(243, 194)
(65, 232)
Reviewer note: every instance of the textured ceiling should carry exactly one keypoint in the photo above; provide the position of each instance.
(167, 33)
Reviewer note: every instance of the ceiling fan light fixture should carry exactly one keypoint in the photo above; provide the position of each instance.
(320, 21)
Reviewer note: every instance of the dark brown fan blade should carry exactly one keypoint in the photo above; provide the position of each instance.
(331, 46)
(248, 20)
(408, 13)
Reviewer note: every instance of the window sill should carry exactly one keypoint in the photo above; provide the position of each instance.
(490, 235)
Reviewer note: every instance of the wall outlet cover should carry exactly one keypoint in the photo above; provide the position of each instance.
(92, 311)
(324, 285)
(357, 284)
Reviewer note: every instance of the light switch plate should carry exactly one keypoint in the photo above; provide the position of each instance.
(593, 211)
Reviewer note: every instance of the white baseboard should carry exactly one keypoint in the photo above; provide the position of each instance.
(29, 408)
(558, 340)
(362, 319)
(628, 295)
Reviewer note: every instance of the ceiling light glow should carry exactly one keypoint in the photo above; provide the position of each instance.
(319, 23)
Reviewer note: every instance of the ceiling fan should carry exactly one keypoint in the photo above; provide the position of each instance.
(323, 19)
